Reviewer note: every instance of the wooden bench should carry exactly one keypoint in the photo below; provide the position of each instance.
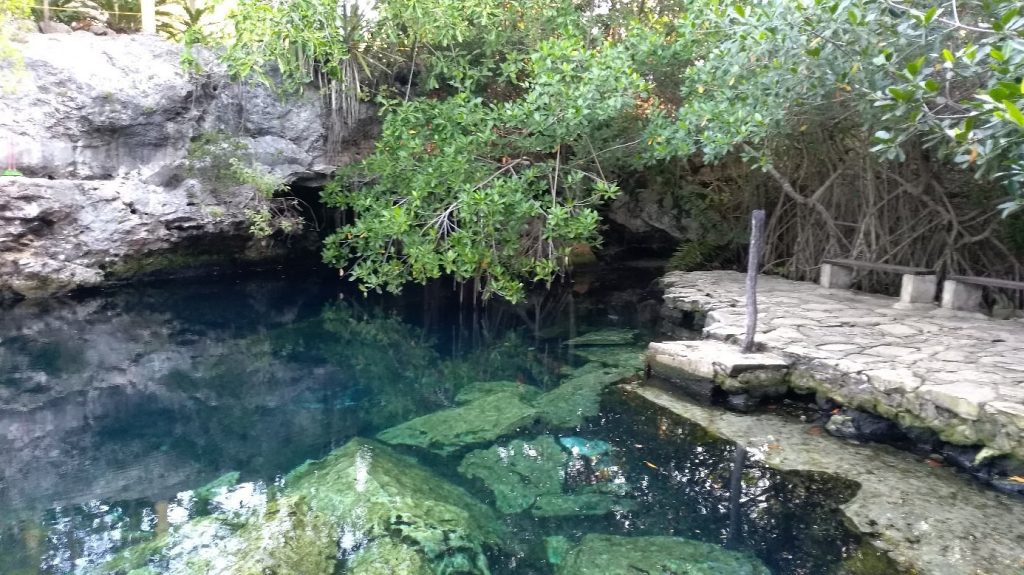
(963, 293)
(919, 285)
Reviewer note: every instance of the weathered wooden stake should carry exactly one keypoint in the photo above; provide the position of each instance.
(753, 263)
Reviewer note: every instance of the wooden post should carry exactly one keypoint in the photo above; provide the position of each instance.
(753, 263)
(148, 9)
(46, 10)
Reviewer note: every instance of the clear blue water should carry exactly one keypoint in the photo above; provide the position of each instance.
(116, 407)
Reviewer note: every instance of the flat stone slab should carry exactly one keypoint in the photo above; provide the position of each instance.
(927, 518)
(709, 358)
(723, 363)
(959, 374)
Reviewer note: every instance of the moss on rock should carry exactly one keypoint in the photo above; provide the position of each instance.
(604, 554)
(371, 490)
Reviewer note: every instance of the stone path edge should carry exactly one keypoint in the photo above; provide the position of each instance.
(887, 367)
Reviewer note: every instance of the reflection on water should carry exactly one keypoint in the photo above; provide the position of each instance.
(126, 415)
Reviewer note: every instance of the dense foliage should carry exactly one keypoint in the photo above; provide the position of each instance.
(508, 125)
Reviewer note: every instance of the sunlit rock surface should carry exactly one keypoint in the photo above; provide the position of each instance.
(605, 554)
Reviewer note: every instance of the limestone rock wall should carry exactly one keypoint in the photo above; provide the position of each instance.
(100, 128)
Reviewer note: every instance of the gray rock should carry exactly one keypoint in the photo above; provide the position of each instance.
(841, 426)
(742, 402)
(101, 127)
(53, 27)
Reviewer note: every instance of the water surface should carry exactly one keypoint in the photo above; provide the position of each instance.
(117, 408)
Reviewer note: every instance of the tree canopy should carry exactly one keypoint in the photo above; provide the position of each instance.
(507, 125)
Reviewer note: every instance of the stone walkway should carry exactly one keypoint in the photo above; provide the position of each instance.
(959, 374)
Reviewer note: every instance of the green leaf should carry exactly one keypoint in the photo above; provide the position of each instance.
(914, 67)
(948, 56)
(900, 94)
(1014, 113)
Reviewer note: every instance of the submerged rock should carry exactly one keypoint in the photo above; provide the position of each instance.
(388, 557)
(449, 430)
(556, 548)
(519, 472)
(579, 396)
(611, 336)
(605, 554)
(614, 356)
(579, 504)
(926, 518)
(477, 390)
(384, 512)
(369, 490)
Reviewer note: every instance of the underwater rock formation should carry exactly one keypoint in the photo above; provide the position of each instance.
(519, 472)
(603, 554)
(378, 511)
(603, 337)
(613, 355)
(447, 431)
(579, 504)
(579, 396)
(474, 391)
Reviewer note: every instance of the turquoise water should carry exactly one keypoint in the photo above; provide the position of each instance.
(127, 415)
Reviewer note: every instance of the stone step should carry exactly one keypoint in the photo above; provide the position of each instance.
(755, 374)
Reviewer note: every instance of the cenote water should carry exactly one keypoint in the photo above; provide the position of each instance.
(174, 428)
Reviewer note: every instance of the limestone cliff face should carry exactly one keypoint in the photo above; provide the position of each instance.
(100, 128)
